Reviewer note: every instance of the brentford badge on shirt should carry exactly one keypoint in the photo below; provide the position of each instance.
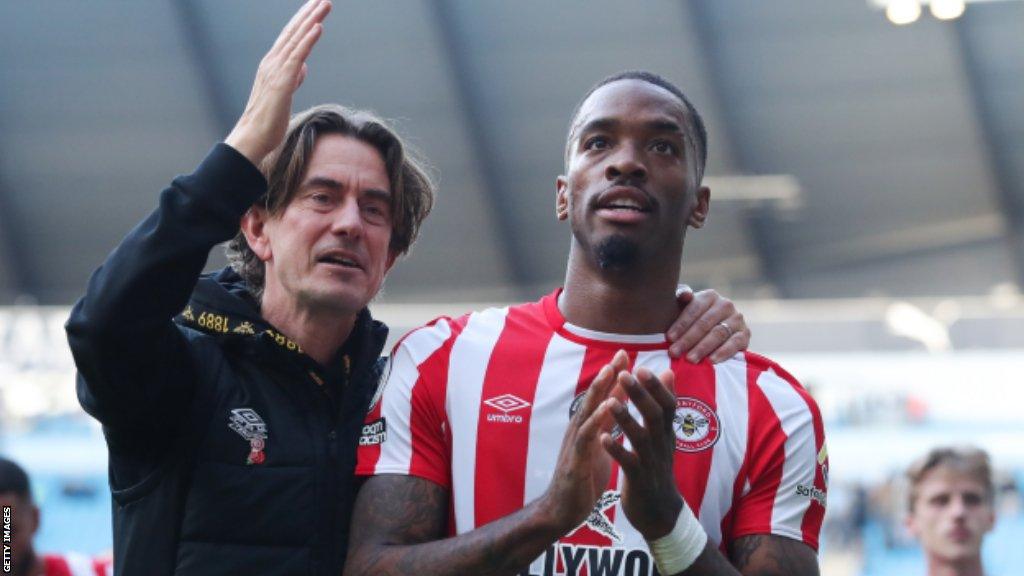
(250, 426)
(696, 425)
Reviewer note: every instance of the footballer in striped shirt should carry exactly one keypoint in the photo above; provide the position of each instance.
(560, 437)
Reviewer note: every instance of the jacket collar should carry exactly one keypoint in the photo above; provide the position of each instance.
(222, 305)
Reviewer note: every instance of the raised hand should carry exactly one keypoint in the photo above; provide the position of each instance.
(650, 498)
(265, 119)
(584, 468)
(708, 324)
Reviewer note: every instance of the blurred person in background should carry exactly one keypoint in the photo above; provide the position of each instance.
(951, 508)
(232, 403)
(16, 500)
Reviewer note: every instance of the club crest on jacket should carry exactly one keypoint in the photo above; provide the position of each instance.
(248, 424)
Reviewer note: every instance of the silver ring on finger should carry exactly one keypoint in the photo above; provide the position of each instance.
(728, 331)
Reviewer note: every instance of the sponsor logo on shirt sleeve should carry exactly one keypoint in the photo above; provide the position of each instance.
(374, 433)
(811, 492)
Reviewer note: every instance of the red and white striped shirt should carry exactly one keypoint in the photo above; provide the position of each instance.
(480, 404)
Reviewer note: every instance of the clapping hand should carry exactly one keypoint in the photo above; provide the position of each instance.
(650, 498)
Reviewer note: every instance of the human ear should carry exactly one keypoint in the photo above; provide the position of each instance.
(699, 214)
(562, 198)
(254, 227)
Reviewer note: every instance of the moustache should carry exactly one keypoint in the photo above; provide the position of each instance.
(624, 182)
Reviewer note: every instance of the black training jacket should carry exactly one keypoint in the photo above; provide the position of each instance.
(227, 454)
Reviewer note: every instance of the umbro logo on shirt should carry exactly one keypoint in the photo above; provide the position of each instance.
(506, 403)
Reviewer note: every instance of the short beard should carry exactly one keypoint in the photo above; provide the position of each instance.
(616, 253)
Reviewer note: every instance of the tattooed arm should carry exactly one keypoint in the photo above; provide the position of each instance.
(399, 521)
(757, 555)
(769, 555)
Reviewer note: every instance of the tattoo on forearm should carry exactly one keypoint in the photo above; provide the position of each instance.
(711, 562)
(410, 505)
(400, 523)
(768, 555)
(399, 527)
(743, 550)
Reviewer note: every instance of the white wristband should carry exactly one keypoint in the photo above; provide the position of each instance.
(677, 550)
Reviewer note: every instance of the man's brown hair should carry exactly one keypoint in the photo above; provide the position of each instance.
(412, 191)
(968, 460)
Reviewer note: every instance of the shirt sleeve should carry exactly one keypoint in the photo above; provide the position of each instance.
(406, 430)
(786, 486)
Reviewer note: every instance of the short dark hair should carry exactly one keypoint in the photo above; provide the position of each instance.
(970, 461)
(699, 133)
(412, 189)
(13, 479)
